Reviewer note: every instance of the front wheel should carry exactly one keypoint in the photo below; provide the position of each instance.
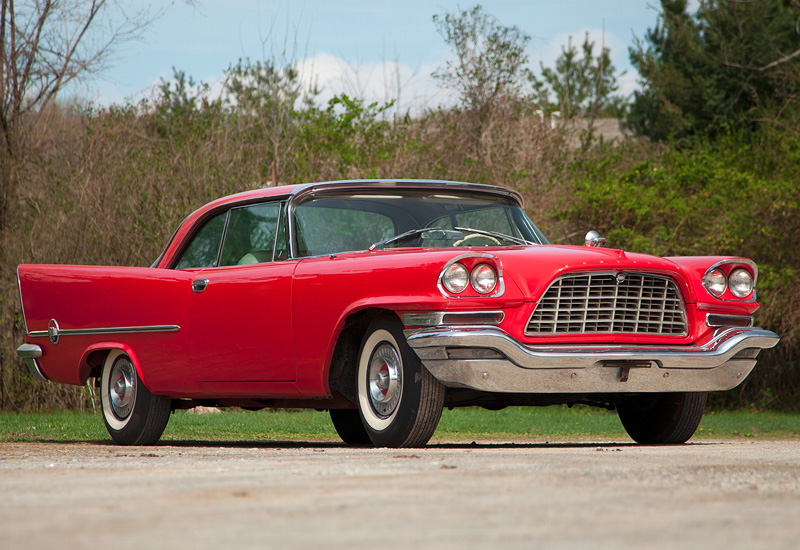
(399, 401)
(132, 415)
(662, 418)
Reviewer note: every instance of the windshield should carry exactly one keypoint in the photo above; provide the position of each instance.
(400, 218)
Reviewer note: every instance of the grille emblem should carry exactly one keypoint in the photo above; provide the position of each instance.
(620, 278)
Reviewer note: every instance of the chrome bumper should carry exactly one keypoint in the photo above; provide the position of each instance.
(30, 353)
(489, 359)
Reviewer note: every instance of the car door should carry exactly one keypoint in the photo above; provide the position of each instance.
(240, 307)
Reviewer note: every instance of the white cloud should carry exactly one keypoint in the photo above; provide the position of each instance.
(628, 83)
(692, 6)
(412, 89)
(618, 52)
(552, 50)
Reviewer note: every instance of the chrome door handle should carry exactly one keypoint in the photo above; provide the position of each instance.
(199, 285)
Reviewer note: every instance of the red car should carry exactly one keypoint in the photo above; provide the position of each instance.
(385, 301)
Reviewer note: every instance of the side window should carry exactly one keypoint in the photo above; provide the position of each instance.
(282, 241)
(250, 237)
(204, 248)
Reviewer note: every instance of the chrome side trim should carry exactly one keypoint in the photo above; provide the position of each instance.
(432, 343)
(106, 330)
(30, 353)
(439, 318)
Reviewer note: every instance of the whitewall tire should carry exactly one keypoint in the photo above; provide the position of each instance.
(399, 401)
(132, 415)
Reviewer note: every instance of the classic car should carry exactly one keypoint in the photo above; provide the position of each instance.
(383, 302)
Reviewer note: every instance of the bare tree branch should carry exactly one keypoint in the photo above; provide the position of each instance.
(44, 45)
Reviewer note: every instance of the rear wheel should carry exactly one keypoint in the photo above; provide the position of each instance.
(132, 415)
(662, 418)
(349, 426)
(399, 401)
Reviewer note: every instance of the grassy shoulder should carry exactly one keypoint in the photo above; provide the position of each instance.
(513, 424)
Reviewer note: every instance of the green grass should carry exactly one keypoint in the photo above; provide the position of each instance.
(513, 424)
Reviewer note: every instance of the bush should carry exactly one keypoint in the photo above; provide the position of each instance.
(737, 197)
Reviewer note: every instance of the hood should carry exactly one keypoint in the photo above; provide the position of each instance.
(533, 268)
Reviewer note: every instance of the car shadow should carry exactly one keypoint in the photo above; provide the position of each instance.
(279, 444)
(292, 444)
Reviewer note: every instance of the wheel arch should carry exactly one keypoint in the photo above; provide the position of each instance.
(344, 360)
(94, 357)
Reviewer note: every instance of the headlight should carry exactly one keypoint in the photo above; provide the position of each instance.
(715, 282)
(483, 278)
(455, 278)
(741, 283)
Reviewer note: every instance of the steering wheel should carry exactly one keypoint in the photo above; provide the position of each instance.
(476, 236)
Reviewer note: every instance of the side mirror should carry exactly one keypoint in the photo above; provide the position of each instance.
(593, 239)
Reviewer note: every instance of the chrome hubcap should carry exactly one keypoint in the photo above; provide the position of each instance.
(122, 388)
(385, 380)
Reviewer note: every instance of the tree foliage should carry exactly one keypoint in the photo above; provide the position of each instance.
(44, 45)
(490, 59)
(732, 64)
(737, 196)
(581, 84)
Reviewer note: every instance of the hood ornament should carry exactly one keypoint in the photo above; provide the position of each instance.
(593, 239)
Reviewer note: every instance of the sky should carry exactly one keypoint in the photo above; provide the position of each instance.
(372, 49)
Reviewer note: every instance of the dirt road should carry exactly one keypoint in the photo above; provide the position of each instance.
(726, 494)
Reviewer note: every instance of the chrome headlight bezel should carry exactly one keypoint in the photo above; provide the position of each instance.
(728, 267)
(470, 261)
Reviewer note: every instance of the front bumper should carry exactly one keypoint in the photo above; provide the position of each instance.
(489, 359)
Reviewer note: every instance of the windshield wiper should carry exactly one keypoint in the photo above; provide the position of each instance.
(496, 234)
(404, 236)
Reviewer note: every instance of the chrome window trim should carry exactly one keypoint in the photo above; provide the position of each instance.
(106, 330)
(501, 286)
(226, 208)
(744, 261)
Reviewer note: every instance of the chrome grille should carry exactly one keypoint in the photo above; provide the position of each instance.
(596, 303)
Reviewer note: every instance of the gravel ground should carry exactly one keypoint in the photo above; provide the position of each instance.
(719, 494)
